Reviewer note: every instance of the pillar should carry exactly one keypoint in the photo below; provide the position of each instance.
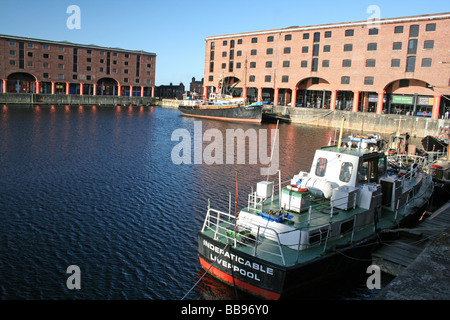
(380, 102)
(119, 90)
(53, 87)
(259, 98)
(94, 89)
(205, 92)
(4, 85)
(275, 96)
(153, 92)
(294, 97)
(244, 94)
(355, 101)
(131, 91)
(142, 91)
(81, 89)
(333, 100)
(37, 87)
(436, 107)
(67, 88)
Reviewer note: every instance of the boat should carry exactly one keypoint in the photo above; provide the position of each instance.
(273, 117)
(223, 107)
(439, 142)
(319, 223)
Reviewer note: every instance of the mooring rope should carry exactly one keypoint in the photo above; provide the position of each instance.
(204, 274)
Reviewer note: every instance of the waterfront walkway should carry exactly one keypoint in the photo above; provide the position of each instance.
(428, 276)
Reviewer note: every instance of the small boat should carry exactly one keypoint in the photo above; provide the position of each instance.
(223, 107)
(316, 226)
(439, 142)
(271, 117)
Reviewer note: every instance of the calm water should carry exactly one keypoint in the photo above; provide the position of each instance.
(96, 187)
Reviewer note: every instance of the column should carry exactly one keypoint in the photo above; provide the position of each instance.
(95, 90)
(333, 100)
(142, 91)
(436, 107)
(119, 90)
(53, 87)
(355, 101)
(37, 87)
(131, 91)
(205, 92)
(153, 92)
(294, 97)
(67, 88)
(275, 96)
(380, 102)
(259, 98)
(4, 85)
(81, 89)
(244, 94)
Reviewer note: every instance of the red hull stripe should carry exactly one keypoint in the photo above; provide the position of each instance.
(225, 119)
(259, 292)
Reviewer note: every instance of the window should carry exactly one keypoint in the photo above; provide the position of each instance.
(346, 171)
(426, 62)
(126, 55)
(45, 55)
(30, 45)
(60, 66)
(211, 66)
(46, 47)
(430, 27)
(345, 80)
(315, 64)
(370, 63)
(327, 48)
(371, 47)
(88, 68)
(60, 76)
(412, 46)
(270, 39)
(239, 41)
(12, 52)
(268, 64)
(349, 33)
(316, 36)
(267, 78)
(305, 36)
(125, 79)
(327, 34)
(253, 52)
(74, 77)
(238, 65)
(285, 79)
(428, 44)
(239, 53)
(12, 44)
(232, 54)
(269, 51)
(373, 31)
(347, 63)
(414, 30)
(398, 29)
(211, 78)
(101, 69)
(286, 64)
(325, 63)
(410, 63)
(230, 66)
(251, 79)
(304, 64)
(60, 57)
(60, 48)
(12, 62)
(45, 75)
(368, 81)
(254, 40)
(348, 47)
(395, 63)
(30, 63)
(287, 37)
(368, 171)
(88, 51)
(397, 46)
(232, 43)
(224, 66)
(305, 49)
(46, 65)
(224, 54)
(88, 59)
(212, 45)
(252, 64)
(316, 50)
(30, 54)
(211, 55)
(321, 167)
(287, 50)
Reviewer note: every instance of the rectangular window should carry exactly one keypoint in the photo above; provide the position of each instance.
(211, 78)
(304, 64)
(410, 64)
(348, 47)
(428, 44)
(238, 65)
(287, 37)
(252, 65)
(251, 79)
(347, 63)
(321, 167)
(12, 52)
(224, 43)
(46, 47)
(285, 79)
(414, 30)
(253, 52)
(268, 64)
(327, 48)
(398, 29)
(371, 47)
(267, 78)
(254, 40)
(45, 75)
(45, 55)
(212, 45)
(368, 81)
(397, 46)
(232, 44)
(412, 46)
(426, 62)
(224, 65)
(403, 83)
(325, 63)
(316, 50)
(327, 34)
(60, 57)
(373, 31)
(286, 64)
(315, 64)
(60, 76)
(346, 171)
(239, 41)
(12, 62)
(430, 27)
(316, 36)
(224, 54)
(211, 55)
(349, 33)
(269, 51)
(370, 63)
(305, 36)
(239, 53)
(211, 66)
(395, 63)
(305, 49)
(30, 54)
(287, 50)
(270, 39)
(345, 80)
(231, 54)
(230, 66)
(12, 44)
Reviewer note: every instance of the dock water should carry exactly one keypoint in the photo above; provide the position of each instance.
(419, 259)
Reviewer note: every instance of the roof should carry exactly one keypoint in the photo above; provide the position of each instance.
(67, 43)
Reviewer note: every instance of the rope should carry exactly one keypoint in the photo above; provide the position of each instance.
(204, 274)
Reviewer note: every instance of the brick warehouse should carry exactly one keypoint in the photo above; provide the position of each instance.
(30, 65)
(398, 65)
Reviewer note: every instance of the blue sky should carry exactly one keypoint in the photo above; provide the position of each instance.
(176, 30)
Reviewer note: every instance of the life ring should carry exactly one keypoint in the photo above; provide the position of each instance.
(302, 189)
(424, 113)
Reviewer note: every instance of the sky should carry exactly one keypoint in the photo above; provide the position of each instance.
(176, 30)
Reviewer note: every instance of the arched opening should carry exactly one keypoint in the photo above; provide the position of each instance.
(108, 87)
(21, 82)
(228, 86)
(409, 97)
(313, 92)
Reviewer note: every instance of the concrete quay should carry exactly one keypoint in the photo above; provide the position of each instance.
(428, 276)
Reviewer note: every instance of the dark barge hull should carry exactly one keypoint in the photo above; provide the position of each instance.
(252, 114)
(431, 143)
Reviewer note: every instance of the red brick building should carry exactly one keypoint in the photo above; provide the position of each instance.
(30, 65)
(397, 65)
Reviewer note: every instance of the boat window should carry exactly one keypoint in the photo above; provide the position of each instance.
(368, 171)
(381, 166)
(346, 171)
(321, 167)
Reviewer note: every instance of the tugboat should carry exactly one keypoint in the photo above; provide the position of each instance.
(291, 237)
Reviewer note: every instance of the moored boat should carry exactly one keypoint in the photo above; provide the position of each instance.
(289, 237)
